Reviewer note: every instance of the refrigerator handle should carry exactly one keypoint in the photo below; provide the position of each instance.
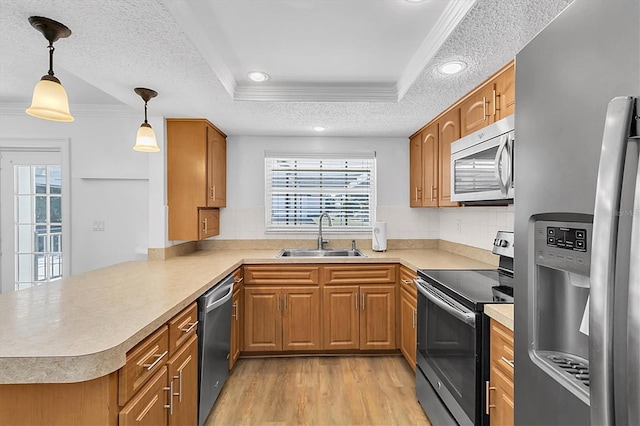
(603, 258)
(633, 319)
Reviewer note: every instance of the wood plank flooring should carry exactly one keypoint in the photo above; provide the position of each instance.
(350, 390)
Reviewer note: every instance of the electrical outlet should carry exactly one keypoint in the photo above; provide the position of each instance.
(98, 225)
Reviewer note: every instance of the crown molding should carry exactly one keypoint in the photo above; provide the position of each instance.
(77, 110)
(449, 20)
(318, 93)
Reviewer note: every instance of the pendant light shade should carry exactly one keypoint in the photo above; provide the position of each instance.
(50, 100)
(146, 137)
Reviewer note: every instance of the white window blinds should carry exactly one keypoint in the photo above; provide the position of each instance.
(299, 187)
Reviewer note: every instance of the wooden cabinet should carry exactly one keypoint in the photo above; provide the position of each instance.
(430, 147)
(448, 132)
(281, 318)
(360, 315)
(147, 408)
(407, 321)
(500, 387)
(159, 383)
(236, 318)
(490, 102)
(281, 308)
(196, 178)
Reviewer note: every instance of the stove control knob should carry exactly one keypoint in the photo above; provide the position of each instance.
(504, 243)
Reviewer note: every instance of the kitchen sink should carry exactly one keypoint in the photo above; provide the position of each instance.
(320, 253)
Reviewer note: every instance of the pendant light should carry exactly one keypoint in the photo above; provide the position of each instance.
(146, 138)
(49, 97)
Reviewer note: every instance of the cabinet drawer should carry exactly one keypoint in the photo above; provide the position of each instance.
(281, 275)
(143, 361)
(182, 327)
(360, 274)
(148, 406)
(406, 280)
(502, 348)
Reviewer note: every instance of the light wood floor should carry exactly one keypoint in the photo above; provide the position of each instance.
(319, 391)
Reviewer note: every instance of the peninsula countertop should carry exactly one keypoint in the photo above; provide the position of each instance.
(81, 327)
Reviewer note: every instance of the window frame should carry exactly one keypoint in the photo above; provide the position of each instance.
(269, 157)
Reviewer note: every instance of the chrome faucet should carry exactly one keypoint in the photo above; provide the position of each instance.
(322, 241)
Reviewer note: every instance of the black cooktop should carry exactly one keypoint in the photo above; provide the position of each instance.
(472, 288)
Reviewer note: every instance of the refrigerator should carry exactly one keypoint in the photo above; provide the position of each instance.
(577, 219)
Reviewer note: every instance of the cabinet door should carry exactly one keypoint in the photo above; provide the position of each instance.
(183, 384)
(340, 318)
(408, 332)
(501, 399)
(147, 407)
(301, 319)
(377, 317)
(216, 169)
(505, 87)
(235, 329)
(475, 111)
(449, 132)
(430, 163)
(262, 319)
(208, 222)
(415, 171)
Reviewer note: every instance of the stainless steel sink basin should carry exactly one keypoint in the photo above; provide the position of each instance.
(320, 253)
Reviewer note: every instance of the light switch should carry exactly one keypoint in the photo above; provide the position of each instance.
(98, 225)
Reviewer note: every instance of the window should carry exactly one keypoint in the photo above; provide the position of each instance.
(299, 187)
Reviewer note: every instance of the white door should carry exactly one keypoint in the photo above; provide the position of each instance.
(31, 218)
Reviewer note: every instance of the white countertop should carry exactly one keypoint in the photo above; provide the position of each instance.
(81, 327)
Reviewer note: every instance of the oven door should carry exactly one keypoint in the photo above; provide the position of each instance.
(449, 352)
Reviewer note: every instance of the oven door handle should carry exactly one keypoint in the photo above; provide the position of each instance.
(446, 304)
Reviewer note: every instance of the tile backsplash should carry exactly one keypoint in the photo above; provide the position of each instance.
(472, 226)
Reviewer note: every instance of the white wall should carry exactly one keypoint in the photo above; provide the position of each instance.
(244, 217)
(101, 156)
(475, 226)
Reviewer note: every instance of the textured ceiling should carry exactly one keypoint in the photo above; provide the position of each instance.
(117, 45)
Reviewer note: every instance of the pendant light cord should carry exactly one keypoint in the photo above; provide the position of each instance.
(145, 112)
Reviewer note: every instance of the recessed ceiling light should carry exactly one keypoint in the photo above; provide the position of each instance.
(258, 76)
(452, 67)
(319, 128)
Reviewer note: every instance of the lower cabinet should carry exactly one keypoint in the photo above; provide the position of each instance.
(408, 316)
(237, 309)
(281, 319)
(183, 385)
(500, 386)
(148, 406)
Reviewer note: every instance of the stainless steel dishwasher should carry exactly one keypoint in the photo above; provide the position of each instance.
(214, 331)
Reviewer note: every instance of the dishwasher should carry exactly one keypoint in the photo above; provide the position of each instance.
(214, 344)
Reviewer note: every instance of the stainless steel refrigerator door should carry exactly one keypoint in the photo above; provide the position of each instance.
(633, 326)
(565, 77)
(603, 260)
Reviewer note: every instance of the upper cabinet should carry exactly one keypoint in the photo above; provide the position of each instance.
(196, 178)
(492, 101)
(430, 147)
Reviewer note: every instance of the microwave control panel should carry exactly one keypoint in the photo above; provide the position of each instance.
(563, 245)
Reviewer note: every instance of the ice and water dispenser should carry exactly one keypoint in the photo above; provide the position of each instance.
(559, 300)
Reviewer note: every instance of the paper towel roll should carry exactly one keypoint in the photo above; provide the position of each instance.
(379, 236)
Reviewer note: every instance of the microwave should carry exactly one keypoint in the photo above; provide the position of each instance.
(482, 165)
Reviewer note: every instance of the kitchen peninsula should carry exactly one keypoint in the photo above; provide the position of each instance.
(80, 329)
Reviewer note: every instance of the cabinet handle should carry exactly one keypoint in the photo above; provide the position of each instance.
(211, 192)
(363, 301)
(509, 363)
(285, 302)
(170, 404)
(484, 107)
(214, 193)
(407, 282)
(356, 300)
(191, 327)
(154, 363)
(488, 405)
(416, 193)
(415, 318)
(179, 394)
(494, 102)
(239, 280)
(235, 311)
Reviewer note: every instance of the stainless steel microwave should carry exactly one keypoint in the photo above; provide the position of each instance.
(482, 165)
